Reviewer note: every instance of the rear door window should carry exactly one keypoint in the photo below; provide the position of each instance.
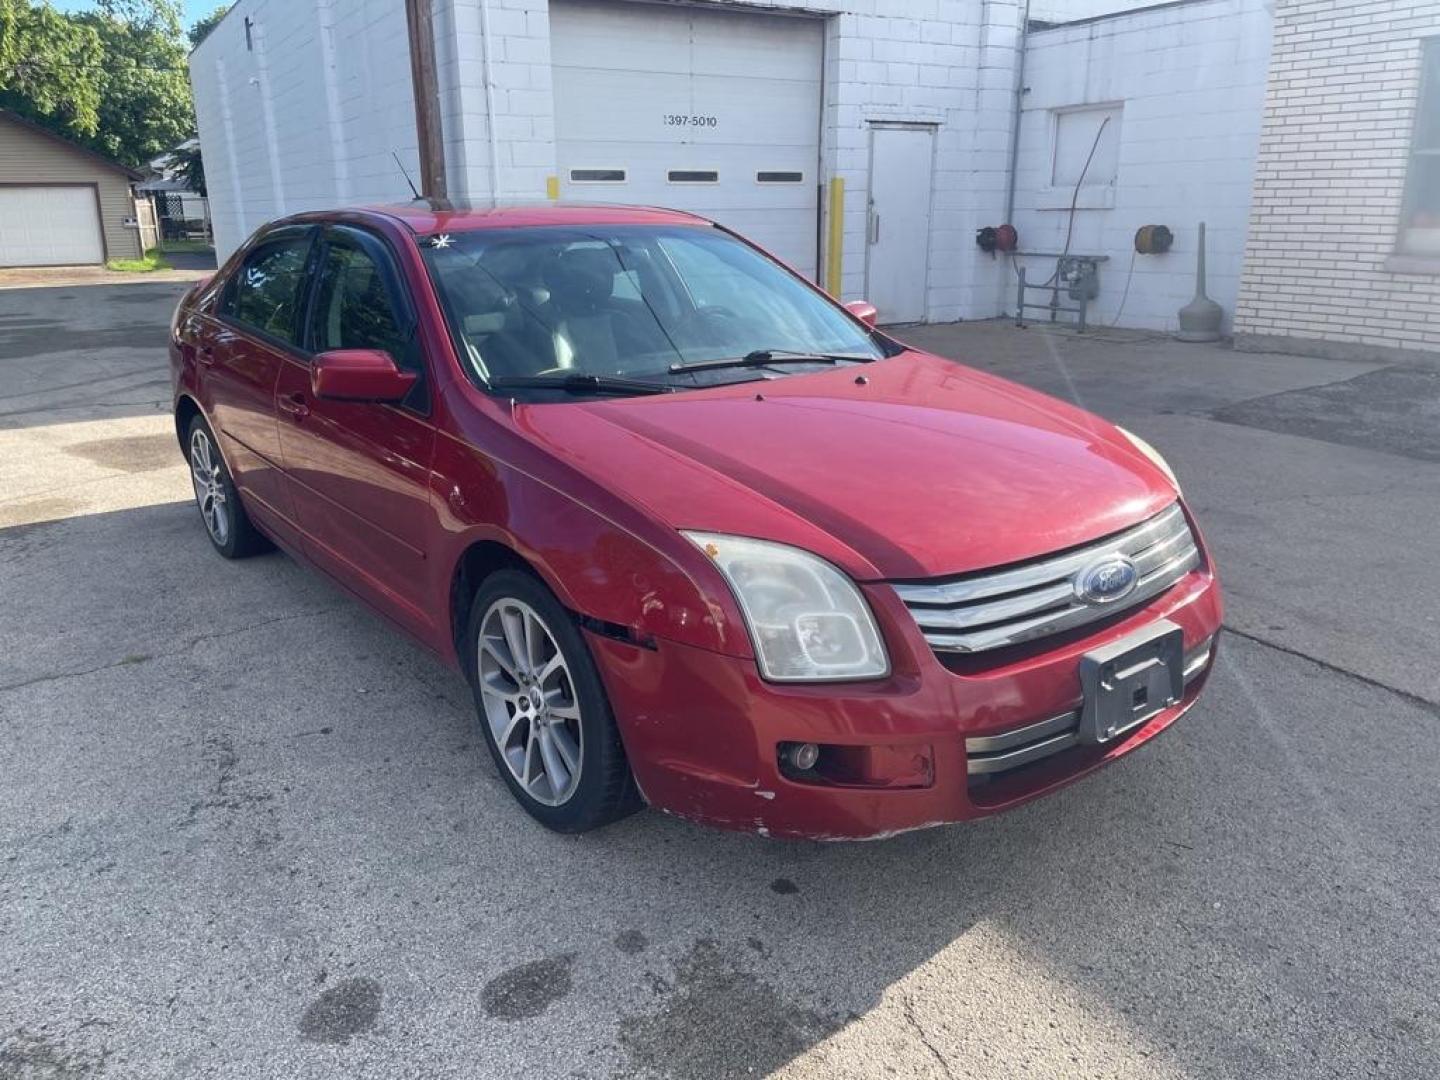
(268, 292)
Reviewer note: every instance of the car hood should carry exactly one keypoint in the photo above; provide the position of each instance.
(909, 467)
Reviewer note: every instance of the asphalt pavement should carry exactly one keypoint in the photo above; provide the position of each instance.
(247, 830)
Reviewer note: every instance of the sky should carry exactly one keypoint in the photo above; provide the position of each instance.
(194, 9)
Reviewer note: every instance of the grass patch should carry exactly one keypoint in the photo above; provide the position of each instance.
(154, 259)
(198, 247)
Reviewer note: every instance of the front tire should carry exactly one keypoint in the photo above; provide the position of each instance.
(542, 707)
(226, 522)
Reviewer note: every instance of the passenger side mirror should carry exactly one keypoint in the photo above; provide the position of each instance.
(359, 375)
(864, 311)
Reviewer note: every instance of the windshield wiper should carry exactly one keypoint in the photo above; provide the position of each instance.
(764, 357)
(578, 383)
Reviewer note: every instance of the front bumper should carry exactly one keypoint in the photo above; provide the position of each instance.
(702, 730)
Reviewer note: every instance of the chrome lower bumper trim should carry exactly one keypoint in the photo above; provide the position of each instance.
(1197, 662)
(989, 754)
(1013, 759)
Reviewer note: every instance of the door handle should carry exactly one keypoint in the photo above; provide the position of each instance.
(874, 227)
(294, 404)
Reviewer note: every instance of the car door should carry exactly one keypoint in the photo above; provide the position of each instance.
(256, 325)
(359, 472)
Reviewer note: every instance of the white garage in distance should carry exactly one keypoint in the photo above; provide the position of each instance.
(50, 225)
(60, 204)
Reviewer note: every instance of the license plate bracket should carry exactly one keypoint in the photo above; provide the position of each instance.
(1128, 682)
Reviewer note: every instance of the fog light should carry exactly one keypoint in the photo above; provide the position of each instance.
(800, 755)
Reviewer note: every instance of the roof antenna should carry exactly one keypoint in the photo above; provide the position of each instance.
(406, 175)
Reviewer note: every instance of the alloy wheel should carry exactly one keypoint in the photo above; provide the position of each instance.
(209, 486)
(530, 703)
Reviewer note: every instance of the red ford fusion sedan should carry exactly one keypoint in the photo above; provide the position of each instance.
(697, 535)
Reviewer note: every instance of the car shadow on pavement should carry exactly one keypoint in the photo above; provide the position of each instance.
(244, 822)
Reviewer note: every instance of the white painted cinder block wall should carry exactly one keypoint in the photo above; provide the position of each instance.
(940, 61)
(1061, 11)
(308, 115)
(1191, 83)
(518, 59)
(304, 115)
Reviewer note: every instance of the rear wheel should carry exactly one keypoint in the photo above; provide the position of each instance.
(226, 522)
(542, 707)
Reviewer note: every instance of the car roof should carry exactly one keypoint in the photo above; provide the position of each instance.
(429, 216)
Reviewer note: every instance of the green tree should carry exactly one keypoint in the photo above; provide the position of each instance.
(50, 67)
(201, 30)
(189, 166)
(113, 78)
(145, 104)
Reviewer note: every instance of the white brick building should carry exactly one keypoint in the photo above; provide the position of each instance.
(1180, 88)
(1344, 243)
(865, 141)
(301, 104)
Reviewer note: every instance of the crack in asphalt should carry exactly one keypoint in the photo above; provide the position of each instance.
(1419, 701)
(139, 372)
(1312, 498)
(1409, 459)
(907, 1007)
(127, 661)
(160, 406)
(1370, 369)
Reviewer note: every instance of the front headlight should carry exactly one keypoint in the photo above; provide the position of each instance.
(1150, 452)
(807, 620)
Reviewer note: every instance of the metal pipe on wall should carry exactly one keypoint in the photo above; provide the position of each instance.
(835, 241)
(489, 59)
(1009, 218)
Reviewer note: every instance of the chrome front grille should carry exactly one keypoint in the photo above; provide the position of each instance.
(990, 610)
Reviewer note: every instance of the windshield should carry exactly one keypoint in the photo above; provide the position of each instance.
(632, 301)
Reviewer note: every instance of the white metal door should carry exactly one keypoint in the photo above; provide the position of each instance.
(49, 225)
(901, 162)
(715, 112)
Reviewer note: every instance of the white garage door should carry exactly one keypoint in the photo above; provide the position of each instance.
(713, 112)
(49, 226)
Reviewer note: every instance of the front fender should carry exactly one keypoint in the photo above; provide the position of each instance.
(597, 565)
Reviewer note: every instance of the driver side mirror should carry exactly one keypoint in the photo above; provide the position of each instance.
(864, 311)
(359, 375)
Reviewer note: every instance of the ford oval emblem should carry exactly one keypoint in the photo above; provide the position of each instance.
(1107, 580)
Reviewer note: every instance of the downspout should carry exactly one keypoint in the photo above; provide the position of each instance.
(426, 91)
(489, 60)
(1009, 218)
